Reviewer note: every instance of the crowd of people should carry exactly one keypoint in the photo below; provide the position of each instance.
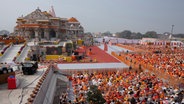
(132, 87)
(161, 58)
(126, 87)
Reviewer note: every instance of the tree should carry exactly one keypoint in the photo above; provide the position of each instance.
(150, 34)
(5, 35)
(136, 35)
(125, 34)
(178, 35)
(94, 95)
(108, 33)
(2, 32)
(139, 35)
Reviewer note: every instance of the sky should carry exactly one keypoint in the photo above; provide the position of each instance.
(103, 15)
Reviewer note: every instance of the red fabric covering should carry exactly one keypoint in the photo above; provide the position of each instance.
(101, 56)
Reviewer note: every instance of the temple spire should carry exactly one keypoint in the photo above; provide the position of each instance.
(52, 12)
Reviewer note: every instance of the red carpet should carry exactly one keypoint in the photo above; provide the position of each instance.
(101, 56)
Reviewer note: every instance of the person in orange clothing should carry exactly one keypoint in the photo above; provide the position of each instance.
(78, 81)
(74, 82)
(84, 87)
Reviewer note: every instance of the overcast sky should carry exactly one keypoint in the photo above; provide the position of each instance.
(103, 15)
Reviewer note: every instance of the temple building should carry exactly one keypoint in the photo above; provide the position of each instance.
(45, 25)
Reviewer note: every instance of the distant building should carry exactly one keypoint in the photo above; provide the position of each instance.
(153, 41)
(146, 41)
(43, 25)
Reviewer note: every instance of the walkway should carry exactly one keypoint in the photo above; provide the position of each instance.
(23, 55)
(10, 54)
(91, 66)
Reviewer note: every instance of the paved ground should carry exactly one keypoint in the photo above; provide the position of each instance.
(25, 86)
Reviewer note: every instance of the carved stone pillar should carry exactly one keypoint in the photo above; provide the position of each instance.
(62, 36)
(23, 32)
(74, 35)
(57, 33)
(26, 34)
(46, 34)
(20, 32)
(36, 31)
(39, 35)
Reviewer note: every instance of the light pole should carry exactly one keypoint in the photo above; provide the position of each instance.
(172, 31)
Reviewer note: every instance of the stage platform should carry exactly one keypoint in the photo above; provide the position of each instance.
(101, 56)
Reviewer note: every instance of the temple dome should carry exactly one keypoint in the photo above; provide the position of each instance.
(72, 20)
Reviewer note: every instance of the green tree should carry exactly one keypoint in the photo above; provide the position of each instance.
(178, 35)
(5, 35)
(94, 95)
(136, 35)
(151, 34)
(125, 34)
(139, 35)
(108, 33)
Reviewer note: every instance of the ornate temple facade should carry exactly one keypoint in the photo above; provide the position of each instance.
(43, 25)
